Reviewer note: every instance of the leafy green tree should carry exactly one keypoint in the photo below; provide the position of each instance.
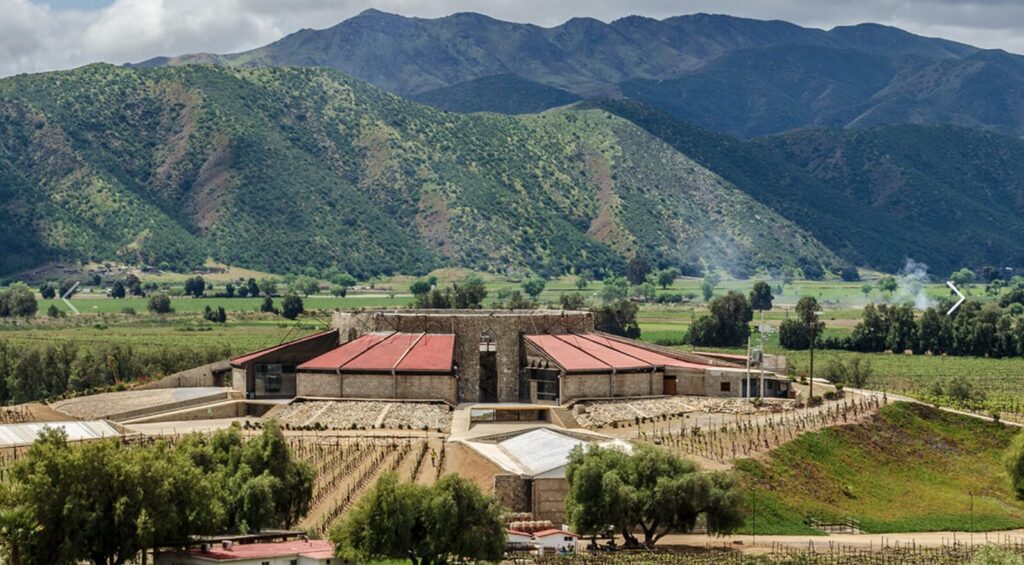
(533, 286)
(267, 286)
(646, 291)
(963, 277)
(18, 300)
(618, 318)
(54, 312)
(47, 292)
(652, 491)
(344, 279)
(707, 286)
(160, 304)
(65, 288)
(117, 290)
(469, 292)
(761, 296)
(195, 286)
(420, 287)
(291, 306)
(727, 324)
(254, 289)
(583, 280)
(305, 285)
(637, 270)
(902, 328)
(452, 521)
(229, 290)
(614, 289)
(572, 301)
(134, 285)
(866, 288)
(105, 502)
(666, 277)
(436, 299)
(888, 284)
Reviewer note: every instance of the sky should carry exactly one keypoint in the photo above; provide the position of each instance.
(43, 35)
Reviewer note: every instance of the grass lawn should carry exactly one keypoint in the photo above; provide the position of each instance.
(910, 469)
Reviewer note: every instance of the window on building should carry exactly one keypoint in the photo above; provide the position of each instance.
(770, 385)
(726, 386)
(293, 562)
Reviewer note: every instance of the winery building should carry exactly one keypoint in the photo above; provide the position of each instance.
(455, 356)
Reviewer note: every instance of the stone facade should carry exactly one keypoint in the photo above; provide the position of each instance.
(548, 499)
(607, 385)
(377, 385)
(504, 328)
(513, 492)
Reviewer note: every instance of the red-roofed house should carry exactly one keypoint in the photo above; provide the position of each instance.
(297, 552)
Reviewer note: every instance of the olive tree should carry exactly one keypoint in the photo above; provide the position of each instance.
(452, 521)
(650, 492)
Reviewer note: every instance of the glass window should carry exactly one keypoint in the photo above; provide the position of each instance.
(726, 386)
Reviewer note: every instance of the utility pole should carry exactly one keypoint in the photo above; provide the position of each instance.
(748, 391)
(810, 366)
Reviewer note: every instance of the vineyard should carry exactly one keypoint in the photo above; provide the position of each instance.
(830, 554)
(726, 441)
(347, 466)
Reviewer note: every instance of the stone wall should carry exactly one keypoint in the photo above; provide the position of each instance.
(210, 375)
(377, 385)
(513, 492)
(506, 327)
(608, 385)
(239, 379)
(548, 500)
(314, 384)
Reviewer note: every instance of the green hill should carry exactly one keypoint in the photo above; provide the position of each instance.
(279, 169)
(911, 468)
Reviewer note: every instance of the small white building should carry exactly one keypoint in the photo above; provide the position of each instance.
(544, 541)
(555, 540)
(296, 552)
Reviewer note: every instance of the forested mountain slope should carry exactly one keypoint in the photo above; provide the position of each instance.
(943, 195)
(283, 168)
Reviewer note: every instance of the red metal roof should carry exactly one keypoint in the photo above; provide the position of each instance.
(640, 352)
(607, 355)
(344, 354)
(401, 352)
(311, 548)
(433, 353)
(587, 352)
(249, 357)
(567, 356)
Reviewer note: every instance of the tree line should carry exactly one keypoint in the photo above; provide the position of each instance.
(106, 501)
(29, 373)
(988, 330)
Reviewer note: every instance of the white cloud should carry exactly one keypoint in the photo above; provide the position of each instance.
(34, 37)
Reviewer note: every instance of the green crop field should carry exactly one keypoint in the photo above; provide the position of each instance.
(911, 469)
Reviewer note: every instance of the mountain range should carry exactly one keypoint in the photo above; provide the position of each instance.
(514, 148)
(733, 75)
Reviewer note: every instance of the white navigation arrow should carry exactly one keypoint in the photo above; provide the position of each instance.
(958, 293)
(67, 294)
